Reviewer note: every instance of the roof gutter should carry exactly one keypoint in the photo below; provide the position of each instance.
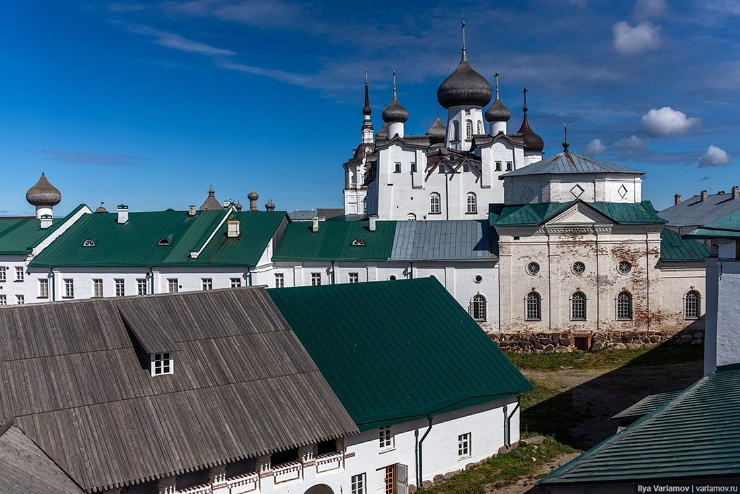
(507, 423)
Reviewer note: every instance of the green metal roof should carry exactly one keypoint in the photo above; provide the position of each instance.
(333, 241)
(673, 248)
(728, 226)
(646, 405)
(397, 350)
(18, 236)
(540, 213)
(136, 242)
(694, 436)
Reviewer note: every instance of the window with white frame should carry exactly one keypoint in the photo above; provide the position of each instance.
(279, 280)
(624, 305)
(3, 273)
(206, 284)
(463, 445)
(471, 203)
(358, 484)
(20, 299)
(97, 287)
(315, 279)
(455, 130)
(44, 288)
(19, 273)
(236, 282)
(480, 127)
(161, 364)
(172, 285)
(385, 438)
(3, 300)
(478, 307)
(120, 287)
(141, 286)
(692, 305)
(354, 277)
(434, 203)
(468, 130)
(533, 306)
(578, 306)
(69, 288)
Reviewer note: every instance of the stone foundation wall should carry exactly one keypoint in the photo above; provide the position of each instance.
(529, 342)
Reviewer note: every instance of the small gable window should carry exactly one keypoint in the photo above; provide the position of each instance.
(164, 242)
(88, 243)
(161, 364)
(358, 242)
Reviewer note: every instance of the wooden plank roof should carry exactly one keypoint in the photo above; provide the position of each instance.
(243, 385)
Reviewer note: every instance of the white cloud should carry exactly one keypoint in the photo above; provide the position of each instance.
(632, 143)
(594, 148)
(628, 39)
(645, 9)
(172, 40)
(666, 121)
(714, 156)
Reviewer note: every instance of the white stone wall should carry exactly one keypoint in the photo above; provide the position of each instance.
(722, 340)
(676, 280)
(617, 188)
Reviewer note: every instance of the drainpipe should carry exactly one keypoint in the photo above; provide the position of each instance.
(151, 280)
(507, 424)
(447, 197)
(53, 285)
(420, 446)
(249, 276)
(647, 276)
(411, 270)
(332, 273)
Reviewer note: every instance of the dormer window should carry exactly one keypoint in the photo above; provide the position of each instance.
(161, 364)
(164, 242)
(358, 242)
(88, 243)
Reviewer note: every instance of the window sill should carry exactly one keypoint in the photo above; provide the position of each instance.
(533, 320)
(386, 450)
(18, 281)
(471, 212)
(461, 458)
(43, 298)
(67, 298)
(434, 213)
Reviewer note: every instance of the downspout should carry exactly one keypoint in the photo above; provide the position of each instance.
(549, 281)
(151, 280)
(332, 273)
(53, 285)
(507, 425)
(249, 276)
(411, 270)
(647, 276)
(420, 448)
(447, 197)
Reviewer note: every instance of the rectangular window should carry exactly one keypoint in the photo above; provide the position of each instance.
(140, 286)
(20, 299)
(354, 277)
(161, 364)
(463, 445)
(279, 280)
(236, 282)
(120, 288)
(206, 284)
(385, 437)
(19, 273)
(3, 273)
(172, 285)
(358, 484)
(44, 288)
(390, 479)
(97, 287)
(315, 279)
(498, 166)
(3, 300)
(69, 288)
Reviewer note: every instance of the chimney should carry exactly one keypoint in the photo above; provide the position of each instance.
(233, 230)
(122, 214)
(315, 224)
(373, 219)
(45, 221)
(703, 195)
(191, 210)
(735, 192)
(677, 199)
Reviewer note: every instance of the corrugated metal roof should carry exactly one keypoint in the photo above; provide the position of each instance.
(397, 350)
(695, 212)
(677, 249)
(540, 213)
(243, 385)
(443, 240)
(567, 162)
(646, 405)
(727, 226)
(334, 242)
(694, 436)
(18, 236)
(137, 242)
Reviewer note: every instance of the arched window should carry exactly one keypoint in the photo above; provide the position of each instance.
(434, 203)
(624, 306)
(468, 130)
(471, 203)
(480, 127)
(455, 130)
(478, 307)
(578, 306)
(411, 217)
(533, 306)
(692, 305)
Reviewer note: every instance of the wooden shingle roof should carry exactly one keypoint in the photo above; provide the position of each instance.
(75, 383)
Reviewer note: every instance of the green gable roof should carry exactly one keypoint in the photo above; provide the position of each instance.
(673, 248)
(694, 436)
(728, 226)
(397, 350)
(137, 242)
(540, 213)
(334, 241)
(18, 236)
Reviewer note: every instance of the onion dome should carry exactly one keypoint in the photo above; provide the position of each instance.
(437, 132)
(238, 206)
(101, 208)
(498, 111)
(253, 196)
(531, 140)
(394, 112)
(269, 205)
(464, 86)
(43, 193)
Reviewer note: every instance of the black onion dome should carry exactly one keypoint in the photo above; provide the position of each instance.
(101, 209)
(498, 112)
(395, 112)
(253, 196)
(437, 132)
(464, 86)
(531, 140)
(43, 193)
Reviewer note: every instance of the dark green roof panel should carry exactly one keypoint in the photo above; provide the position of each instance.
(18, 236)
(540, 213)
(673, 248)
(397, 350)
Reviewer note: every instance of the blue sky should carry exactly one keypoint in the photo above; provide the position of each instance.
(148, 103)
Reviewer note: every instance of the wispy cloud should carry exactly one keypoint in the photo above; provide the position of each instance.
(645, 9)
(594, 148)
(70, 157)
(172, 40)
(714, 156)
(630, 40)
(259, 13)
(666, 121)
